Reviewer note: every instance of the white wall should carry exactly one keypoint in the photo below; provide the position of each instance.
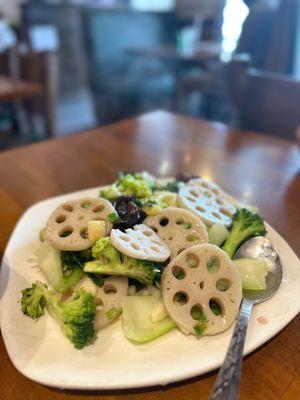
(10, 9)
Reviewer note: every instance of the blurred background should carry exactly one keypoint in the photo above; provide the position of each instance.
(70, 65)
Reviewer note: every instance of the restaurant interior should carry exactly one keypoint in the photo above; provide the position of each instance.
(70, 65)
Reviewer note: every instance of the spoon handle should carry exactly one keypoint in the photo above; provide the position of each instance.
(227, 384)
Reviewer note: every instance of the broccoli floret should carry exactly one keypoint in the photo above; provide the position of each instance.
(75, 316)
(105, 252)
(110, 261)
(245, 225)
(129, 184)
(134, 185)
(33, 302)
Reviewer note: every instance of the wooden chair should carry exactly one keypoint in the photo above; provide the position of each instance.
(266, 102)
(30, 81)
(42, 68)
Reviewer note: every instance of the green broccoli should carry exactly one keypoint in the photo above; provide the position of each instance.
(33, 302)
(130, 185)
(245, 224)
(104, 251)
(75, 316)
(109, 261)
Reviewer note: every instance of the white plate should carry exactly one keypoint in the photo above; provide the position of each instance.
(40, 351)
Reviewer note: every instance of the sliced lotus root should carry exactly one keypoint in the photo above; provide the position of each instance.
(202, 283)
(178, 228)
(140, 242)
(206, 184)
(67, 226)
(109, 300)
(211, 208)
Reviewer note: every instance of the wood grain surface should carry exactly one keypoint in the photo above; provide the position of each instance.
(256, 169)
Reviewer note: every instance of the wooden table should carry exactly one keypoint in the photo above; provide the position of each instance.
(257, 169)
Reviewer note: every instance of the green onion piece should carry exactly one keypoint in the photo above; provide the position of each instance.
(113, 313)
(42, 235)
(113, 218)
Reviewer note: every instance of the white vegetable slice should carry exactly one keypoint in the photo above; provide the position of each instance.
(178, 228)
(206, 184)
(137, 323)
(109, 300)
(140, 242)
(201, 280)
(211, 208)
(67, 226)
(253, 273)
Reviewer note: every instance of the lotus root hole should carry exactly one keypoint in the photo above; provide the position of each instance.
(98, 208)
(216, 215)
(178, 272)
(207, 194)
(201, 285)
(148, 233)
(109, 289)
(225, 212)
(192, 238)
(155, 242)
(219, 201)
(65, 232)
(205, 185)
(223, 284)
(216, 191)
(84, 232)
(179, 221)
(180, 298)
(192, 199)
(216, 307)
(194, 193)
(164, 221)
(201, 209)
(136, 246)
(170, 238)
(99, 303)
(60, 219)
(155, 248)
(125, 238)
(197, 312)
(213, 264)
(86, 204)
(68, 207)
(192, 260)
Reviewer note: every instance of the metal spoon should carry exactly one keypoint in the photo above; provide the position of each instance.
(227, 384)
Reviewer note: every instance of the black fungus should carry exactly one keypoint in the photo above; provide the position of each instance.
(129, 211)
(185, 177)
